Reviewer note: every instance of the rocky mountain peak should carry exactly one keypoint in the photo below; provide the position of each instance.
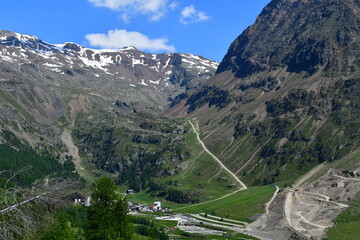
(127, 48)
(299, 35)
(143, 77)
(286, 96)
(8, 35)
(71, 46)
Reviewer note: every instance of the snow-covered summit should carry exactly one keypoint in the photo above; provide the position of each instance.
(129, 64)
(4, 35)
(127, 48)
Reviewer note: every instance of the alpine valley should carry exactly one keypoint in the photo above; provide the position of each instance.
(264, 145)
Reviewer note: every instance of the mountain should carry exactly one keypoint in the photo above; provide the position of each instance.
(286, 95)
(325, 38)
(98, 108)
(121, 72)
(284, 103)
(45, 86)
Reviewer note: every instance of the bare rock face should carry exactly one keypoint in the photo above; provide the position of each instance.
(299, 36)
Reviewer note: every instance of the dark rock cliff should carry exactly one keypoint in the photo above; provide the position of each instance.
(300, 35)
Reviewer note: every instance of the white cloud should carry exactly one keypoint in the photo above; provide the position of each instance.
(116, 39)
(174, 5)
(190, 15)
(125, 17)
(154, 8)
(156, 17)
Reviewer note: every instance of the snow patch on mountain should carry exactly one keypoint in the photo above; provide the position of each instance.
(143, 82)
(51, 65)
(126, 63)
(155, 82)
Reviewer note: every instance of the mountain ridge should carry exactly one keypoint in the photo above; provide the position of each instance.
(111, 62)
(46, 87)
(285, 99)
(308, 38)
(127, 74)
(293, 72)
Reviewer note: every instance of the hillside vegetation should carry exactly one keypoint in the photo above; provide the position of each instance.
(20, 164)
(242, 206)
(284, 99)
(347, 224)
(159, 154)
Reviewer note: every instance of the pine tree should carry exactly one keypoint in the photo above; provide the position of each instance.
(107, 216)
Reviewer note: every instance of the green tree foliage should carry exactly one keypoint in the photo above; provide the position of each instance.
(267, 151)
(77, 216)
(107, 216)
(294, 100)
(149, 229)
(179, 196)
(14, 160)
(69, 165)
(28, 164)
(171, 194)
(61, 230)
(136, 155)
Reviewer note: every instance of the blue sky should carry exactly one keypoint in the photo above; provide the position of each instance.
(203, 27)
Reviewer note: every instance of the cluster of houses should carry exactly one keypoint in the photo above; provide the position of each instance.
(135, 207)
(83, 201)
(77, 198)
(155, 207)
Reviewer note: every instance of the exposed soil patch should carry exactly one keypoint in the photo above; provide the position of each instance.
(73, 150)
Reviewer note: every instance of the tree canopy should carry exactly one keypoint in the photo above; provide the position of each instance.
(107, 217)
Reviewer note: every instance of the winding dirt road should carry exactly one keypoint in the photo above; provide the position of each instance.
(308, 175)
(267, 206)
(216, 159)
(288, 205)
(222, 166)
(297, 212)
(217, 199)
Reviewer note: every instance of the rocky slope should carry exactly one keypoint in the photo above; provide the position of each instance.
(301, 36)
(285, 96)
(156, 76)
(110, 101)
(44, 86)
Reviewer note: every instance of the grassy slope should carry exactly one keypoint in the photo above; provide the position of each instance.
(140, 197)
(7, 98)
(345, 231)
(199, 173)
(202, 173)
(300, 134)
(240, 206)
(347, 224)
